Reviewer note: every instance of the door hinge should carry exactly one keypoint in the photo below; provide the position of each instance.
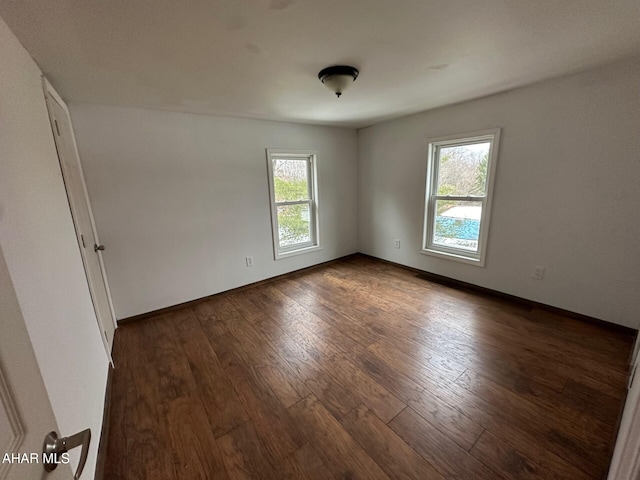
(57, 127)
(106, 336)
(82, 238)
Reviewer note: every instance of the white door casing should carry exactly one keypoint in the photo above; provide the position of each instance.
(84, 224)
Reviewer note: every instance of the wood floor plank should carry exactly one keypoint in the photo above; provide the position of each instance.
(341, 342)
(220, 400)
(496, 325)
(215, 314)
(134, 348)
(289, 309)
(574, 331)
(279, 434)
(592, 402)
(451, 460)
(176, 379)
(576, 437)
(194, 447)
(468, 352)
(525, 402)
(175, 320)
(481, 412)
(512, 344)
(437, 362)
(549, 350)
(539, 452)
(402, 386)
(338, 450)
(338, 314)
(337, 398)
(458, 426)
(305, 464)
(394, 456)
(548, 324)
(508, 461)
(244, 455)
(438, 408)
(511, 330)
(284, 382)
(361, 369)
(151, 434)
(370, 392)
(410, 296)
(122, 401)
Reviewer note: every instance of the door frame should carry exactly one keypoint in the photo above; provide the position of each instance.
(49, 90)
(625, 464)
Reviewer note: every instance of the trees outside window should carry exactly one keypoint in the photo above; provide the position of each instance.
(293, 191)
(458, 195)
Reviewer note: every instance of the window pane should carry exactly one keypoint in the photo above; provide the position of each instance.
(294, 224)
(290, 180)
(462, 169)
(457, 224)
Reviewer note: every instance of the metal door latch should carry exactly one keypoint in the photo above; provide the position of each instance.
(54, 446)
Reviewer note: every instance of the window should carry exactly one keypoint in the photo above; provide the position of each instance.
(294, 201)
(458, 196)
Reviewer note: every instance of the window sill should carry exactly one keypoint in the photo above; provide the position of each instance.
(456, 257)
(298, 251)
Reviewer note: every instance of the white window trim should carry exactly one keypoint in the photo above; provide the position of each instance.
(428, 248)
(301, 248)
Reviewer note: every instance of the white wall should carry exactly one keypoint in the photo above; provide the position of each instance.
(567, 191)
(41, 252)
(180, 199)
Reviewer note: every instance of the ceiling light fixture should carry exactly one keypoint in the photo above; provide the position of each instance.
(338, 78)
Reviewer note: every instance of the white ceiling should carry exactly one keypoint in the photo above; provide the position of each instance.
(260, 58)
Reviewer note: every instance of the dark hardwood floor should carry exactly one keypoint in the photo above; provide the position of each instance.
(360, 370)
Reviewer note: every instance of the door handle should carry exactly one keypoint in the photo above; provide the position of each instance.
(55, 446)
(97, 247)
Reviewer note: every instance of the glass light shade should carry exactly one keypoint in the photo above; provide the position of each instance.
(338, 83)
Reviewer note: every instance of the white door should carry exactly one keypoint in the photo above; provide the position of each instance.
(90, 246)
(25, 412)
(625, 464)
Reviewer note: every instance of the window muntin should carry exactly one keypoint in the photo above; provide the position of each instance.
(292, 186)
(458, 196)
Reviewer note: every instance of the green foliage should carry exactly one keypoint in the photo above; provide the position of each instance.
(462, 171)
(479, 184)
(446, 189)
(290, 189)
(293, 223)
(293, 220)
(442, 205)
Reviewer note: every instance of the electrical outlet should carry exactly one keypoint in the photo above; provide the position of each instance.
(538, 272)
(396, 243)
(249, 261)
